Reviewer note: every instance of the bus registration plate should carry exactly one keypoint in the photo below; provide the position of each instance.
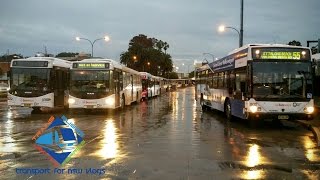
(27, 105)
(90, 106)
(283, 117)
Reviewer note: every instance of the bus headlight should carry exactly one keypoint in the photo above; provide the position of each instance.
(309, 110)
(71, 101)
(110, 101)
(253, 109)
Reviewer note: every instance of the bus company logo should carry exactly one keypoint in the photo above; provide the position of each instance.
(59, 139)
(282, 105)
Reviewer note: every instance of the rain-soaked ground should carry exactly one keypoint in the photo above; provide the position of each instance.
(168, 137)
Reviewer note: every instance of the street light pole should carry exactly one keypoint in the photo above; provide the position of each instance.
(222, 28)
(210, 55)
(106, 38)
(241, 25)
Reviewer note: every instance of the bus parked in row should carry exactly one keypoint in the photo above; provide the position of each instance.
(259, 81)
(103, 84)
(316, 79)
(150, 85)
(39, 82)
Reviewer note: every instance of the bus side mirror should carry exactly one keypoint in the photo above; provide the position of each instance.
(243, 86)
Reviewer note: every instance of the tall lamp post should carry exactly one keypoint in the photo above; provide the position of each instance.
(241, 24)
(240, 33)
(222, 28)
(106, 38)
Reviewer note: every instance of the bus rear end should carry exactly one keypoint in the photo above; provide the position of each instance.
(145, 86)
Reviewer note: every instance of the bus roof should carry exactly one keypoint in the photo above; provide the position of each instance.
(51, 62)
(227, 62)
(263, 45)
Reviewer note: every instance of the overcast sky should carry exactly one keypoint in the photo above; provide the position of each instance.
(189, 26)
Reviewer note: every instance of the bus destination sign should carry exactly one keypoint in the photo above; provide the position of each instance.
(281, 53)
(30, 63)
(91, 65)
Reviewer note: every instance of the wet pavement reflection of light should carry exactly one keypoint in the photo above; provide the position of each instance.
(253, 159)
(7, 143)
(310, 149)
(170, 137)
(108, 145)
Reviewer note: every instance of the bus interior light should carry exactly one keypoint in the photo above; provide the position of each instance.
(253, 109)
(303, 53)
(257, 51)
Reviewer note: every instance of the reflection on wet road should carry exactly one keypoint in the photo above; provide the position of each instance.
(168, 137)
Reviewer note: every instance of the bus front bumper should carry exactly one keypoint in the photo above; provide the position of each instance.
(284, 116)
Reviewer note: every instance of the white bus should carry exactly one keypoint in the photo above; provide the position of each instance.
(156, 86)
(39, 82)
(316, 79)
(259, 82)
(103, 84)
(150, 85)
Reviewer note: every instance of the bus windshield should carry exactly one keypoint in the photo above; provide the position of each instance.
(281, 79)
(95, 81)
(29, 79)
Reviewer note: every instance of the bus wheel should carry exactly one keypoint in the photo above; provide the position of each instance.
(123, 104)
(227, 110)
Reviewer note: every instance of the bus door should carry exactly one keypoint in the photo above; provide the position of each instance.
(117, 80)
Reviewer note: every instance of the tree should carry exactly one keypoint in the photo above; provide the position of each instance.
(146, 54)
(8, 58)
(191, 74)
(173, 75)
(294, 43)
(67, 54)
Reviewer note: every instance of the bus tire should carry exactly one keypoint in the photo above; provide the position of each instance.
(228, 111)
(36, 110)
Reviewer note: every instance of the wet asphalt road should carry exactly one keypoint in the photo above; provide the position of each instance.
(168, 137)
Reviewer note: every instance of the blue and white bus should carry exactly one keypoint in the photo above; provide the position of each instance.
(39, 82)
(259, 81)
(103, 84)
